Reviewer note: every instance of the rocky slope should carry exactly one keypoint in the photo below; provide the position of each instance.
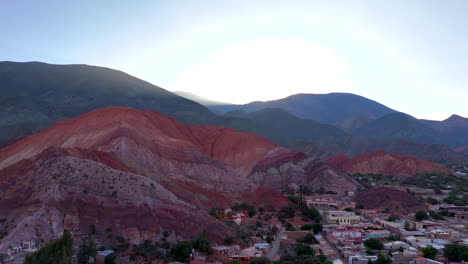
(126, 164)
(397, 201)
(380, 162)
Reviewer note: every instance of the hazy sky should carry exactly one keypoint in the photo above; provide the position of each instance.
(409, 55)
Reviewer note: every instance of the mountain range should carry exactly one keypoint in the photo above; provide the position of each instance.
(89, 146)
(37, 95)
(146, 166)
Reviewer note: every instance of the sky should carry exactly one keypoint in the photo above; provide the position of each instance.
(411, 55)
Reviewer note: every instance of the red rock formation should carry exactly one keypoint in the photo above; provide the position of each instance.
(267, 198)
(397, 201)
(142, 173)
(463, 150)
(380, 162)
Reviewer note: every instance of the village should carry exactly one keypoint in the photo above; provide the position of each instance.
(316, 228)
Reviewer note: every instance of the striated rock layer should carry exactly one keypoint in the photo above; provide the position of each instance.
(380, 162)
(140, 173)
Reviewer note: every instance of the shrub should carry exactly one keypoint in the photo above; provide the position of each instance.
(373, 244)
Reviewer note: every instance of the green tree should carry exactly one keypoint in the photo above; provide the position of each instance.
(229, 240)
(260, 260)
(381, 259)
(288, 211)
(456, 252)
(202, 243)
(304, 250)
(432, 201)
(110, 259)
(311, 213)
(421, 215)
(181, 251)
(392, 218)
(56, 252)
(429, 252)
(87, 249)
(317, 228)
(307, 227)
(373, 244)
(308, 239)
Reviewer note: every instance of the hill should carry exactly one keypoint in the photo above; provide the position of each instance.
(397, 201)
(198, 99)
(37, 95)
(380, 162)
(146, 166)
(323, 141)
(341, 109)
(399, 125)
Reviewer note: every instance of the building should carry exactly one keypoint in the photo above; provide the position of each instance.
(360, 259)
(395, 245)
(225, 250)
(422, 260)
(343, 218)
(102, 255)
(377, 234)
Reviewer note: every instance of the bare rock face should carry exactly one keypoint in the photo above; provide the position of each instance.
(398, 201)
(380, 162)
(139, 173)
(72, 193)
(284, 167)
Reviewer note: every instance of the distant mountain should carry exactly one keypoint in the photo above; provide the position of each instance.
(399, 125)
(380, 162)
(283, 127)
(452, 132)
(140, 173)
(323, 141)
(340, 109)
(199, 99)
(36, 95)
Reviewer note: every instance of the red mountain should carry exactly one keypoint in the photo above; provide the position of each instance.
(140, 173)
(463, 150)
(397, 201)
(380, 162)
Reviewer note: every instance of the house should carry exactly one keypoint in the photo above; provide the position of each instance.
(374, 213)
(439, 233)
(395, 245)
(9, 260)
(347, 232)
(102, 255)
(343, 218)
(225, 250)
(198, 260)
(422, 260)
(246, 255)
(360, 259)
(405, 257)
(417, 242)
(377, 234)
(239, 218)
(29, 246)
(263, 247)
